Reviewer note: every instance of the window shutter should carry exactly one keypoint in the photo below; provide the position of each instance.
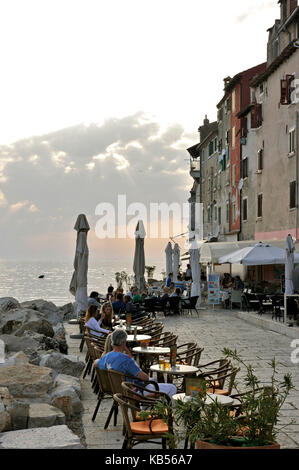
(292, 194)
(286, 89)
(260, 205)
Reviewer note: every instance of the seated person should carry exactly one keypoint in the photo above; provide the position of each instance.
(171, 288)
(110, 291)
(118, 361)
(238, 284)
(176, 293)
(130, 292)
(106, 320)
(129, 306)
(136, 296)
(91, 322)
(118, 305)
(94, 299)
(165, 293)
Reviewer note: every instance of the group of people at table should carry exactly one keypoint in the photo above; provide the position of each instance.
(101, 320)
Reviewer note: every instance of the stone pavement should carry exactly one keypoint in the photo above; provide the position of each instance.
(213, 330)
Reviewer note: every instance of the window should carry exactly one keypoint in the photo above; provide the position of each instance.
(227, 138)
(234, 101)
(260, 160)
(219, 215)
(209, 214)
(233, 137)
(260, 205)
(220, 145)
(245, 168)
(215, 144)
(234, 212)
(292, 194)
(261, 89)
(227, 106)
(202, 155)
(215, 213)
(234, 175)
(286, 89)
(220, 114)
(256, 115)
(292, 141)
(245, 207)
(209, 184)
(227, 212)
(211, 148)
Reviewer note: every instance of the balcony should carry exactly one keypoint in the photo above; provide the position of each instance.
(195, 169)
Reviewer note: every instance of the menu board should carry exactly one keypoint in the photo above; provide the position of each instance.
(214, 289)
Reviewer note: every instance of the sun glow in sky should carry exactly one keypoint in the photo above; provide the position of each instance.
(100, 98)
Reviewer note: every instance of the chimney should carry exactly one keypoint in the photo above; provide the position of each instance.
(226, 81)
(206, 121)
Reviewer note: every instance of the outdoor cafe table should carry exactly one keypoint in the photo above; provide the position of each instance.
(210, 398)
(150, 351)
(132, 327)
(131, 339)
(179, 370)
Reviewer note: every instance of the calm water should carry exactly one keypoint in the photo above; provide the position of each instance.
(20, 279)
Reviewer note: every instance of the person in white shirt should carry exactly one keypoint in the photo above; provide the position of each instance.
(92, 323)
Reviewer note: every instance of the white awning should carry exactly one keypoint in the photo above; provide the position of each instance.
(211, 252)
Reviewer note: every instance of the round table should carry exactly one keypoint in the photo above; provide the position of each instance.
(151, 350)
(131, 339)
(179, 369)
(210, 398)
(132, 328)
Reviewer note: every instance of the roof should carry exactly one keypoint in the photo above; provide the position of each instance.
(286, 53)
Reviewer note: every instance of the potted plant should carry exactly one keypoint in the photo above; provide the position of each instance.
(253, 424)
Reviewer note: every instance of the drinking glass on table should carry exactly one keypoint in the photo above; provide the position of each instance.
(166, 363)
(161, 363)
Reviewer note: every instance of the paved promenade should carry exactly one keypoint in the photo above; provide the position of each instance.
(214, 330)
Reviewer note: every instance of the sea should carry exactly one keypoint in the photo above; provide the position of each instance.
(20, 279)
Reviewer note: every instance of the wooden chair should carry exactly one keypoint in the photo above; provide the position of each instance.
(185, 351)
(137, 431)
(104, 391)
(191, 360)
(216, 385)
(220, 366)
(164, 339)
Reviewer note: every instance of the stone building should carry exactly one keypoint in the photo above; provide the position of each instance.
(276, 101)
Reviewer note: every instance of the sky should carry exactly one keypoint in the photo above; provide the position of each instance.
(102, 98)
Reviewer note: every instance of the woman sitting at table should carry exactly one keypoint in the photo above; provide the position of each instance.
(107, 315)
(176, 293)
(92, 323)
(165, 293)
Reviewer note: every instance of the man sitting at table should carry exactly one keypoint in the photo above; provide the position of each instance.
(117, 360)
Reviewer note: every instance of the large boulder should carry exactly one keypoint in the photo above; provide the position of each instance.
(66, 399)
(62, 364)
(17, 359)
(52, 313)
(55, 437)
(4, 419)
(16, 343)
(68, 311)
(19, 320)
(42, 415)
(8, 303)
(68, 381)
(26, 380)
(15, 410)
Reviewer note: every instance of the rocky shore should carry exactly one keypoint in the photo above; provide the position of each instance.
(40, 389)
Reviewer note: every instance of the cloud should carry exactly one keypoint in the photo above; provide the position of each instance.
(252, 10)
(48, 180)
